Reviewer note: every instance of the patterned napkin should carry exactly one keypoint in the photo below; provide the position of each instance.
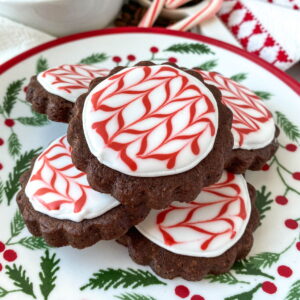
(267, 28)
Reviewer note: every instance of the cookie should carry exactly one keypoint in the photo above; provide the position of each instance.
(58, 204)
(54, 91)
(205, 236)
(253, 127)
(145, 134)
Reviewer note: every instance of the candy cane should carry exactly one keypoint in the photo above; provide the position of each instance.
(209, 10)
(152, 13)
(175, 3)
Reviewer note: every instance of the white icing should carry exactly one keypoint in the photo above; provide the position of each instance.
(69, 81)
(115, 93)
(206, 217)
(55, 177)
(245, 106)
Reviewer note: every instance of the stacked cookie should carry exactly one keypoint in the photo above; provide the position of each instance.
(153, 157)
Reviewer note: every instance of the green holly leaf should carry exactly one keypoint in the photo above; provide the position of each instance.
(208, 65)
(239, 77)
(12, 185)
(1, 191)
(49, 266)
(294, 292)
(263, 202)
(263, 95)
(246, 295)
(41, 65)
(134, 296)
(14, 145)
(94, 58)
(18, 275)
(194, 48)
(227, 278)
(11, 95)
(33, 243)
(36, 120)
(290, 129)
(114, 278)
(17, 224)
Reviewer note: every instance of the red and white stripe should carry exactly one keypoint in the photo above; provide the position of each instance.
(152, 13)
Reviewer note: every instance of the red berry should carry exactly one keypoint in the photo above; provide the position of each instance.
(197, 297)
(269, 287)
(182, 291)
(10, 255)
(117, 59)
(1, 142)
(291, 224)
(291, 147)
(265, 167)
(25, 89)
(1, 267)
(131, 57)
(154, 49)
(9, 122)
(172, 60)
(296, 175)
(1, 166)
(284, 271)
(282, 200)
(2, 247)
(298, 246)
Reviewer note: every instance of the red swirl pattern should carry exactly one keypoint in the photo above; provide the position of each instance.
(73, 77)
(59, 182)
(249, 113)
(228, 194)
(173, 100)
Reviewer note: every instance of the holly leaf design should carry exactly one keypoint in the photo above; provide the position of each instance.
(208, 65)
(263, 95)
(94, 58)
(239, 77)
(33, 243)
(14, 145)
(17, 224)
(11, 95)
(134, 296)
(1, 191)
(49, 266)
(246, 295)
(294, 292)
(194, 48)
(41, 65)
(227, 278)
(12, 185)
(36, 120)
(263, 202)
(3, 292)
(290, 129)
(114, 278)
(20, 279)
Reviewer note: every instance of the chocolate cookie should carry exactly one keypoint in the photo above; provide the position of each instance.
(253, 127)
(145, 134)
(54, 91)
(58, 204)
(205, 236)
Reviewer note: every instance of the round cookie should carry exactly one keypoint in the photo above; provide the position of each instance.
(58, 204)
(253, 127)
(205, 236)
(145, 134)
(53, 92)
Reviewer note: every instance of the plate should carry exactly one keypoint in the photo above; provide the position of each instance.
(29, 269)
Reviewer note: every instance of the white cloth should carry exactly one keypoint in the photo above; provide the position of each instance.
(16, 38)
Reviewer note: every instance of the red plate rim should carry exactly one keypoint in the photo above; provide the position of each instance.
(292, 83)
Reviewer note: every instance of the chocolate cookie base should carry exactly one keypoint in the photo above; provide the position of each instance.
(55, 107)
(170, 265)
(153, 192)
(58, 233)
(241, 160)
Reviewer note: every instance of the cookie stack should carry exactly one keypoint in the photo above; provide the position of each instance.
(153, 157)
